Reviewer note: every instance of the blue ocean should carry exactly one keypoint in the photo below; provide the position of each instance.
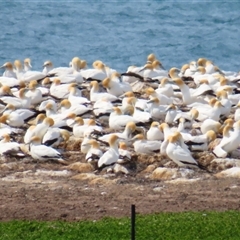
(121, 33)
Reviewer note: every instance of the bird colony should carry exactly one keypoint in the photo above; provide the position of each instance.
(114, 116)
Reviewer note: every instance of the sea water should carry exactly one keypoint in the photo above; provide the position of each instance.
(121, 33)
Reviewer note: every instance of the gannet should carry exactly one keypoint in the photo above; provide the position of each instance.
(98, 72)
(54, 136)
(5, 91)
(237, 112)
(58, 118)
(188, 116)
(5, 129)
(214, 113)
(84, 148)
(126, 135)
(153, 70)
(22, 102)
(118, 121)
(91, 126)
(225, 102)
(183, 70)
(210, 124)
(18, 69)
(157, 111)
(139, 115)
(34, 94)
(75, 96)
(11, 82)
(12, 119)
(132, 75)
(42, 152)
(164, 100)
(190, 96)
(18, 114)
(57, 89)
(111, 155)
(139, 103)
(178, 154)
(27, 64)
(116, 88)
(96, 95)
(11, 149)
(209, 66)
(39, 119)
(167, 131)
(165, 88)
(174, 73)
(124, 154)
(151, 57)
(229, 143)
(154, 133)
(191, 70)
(74, 76)
(42, 106)
(9, 73)
(201, 75)
(27, 76)
(200, 142)
(94, 153)
(141, 145)
(67, 108)
(78, 126)
(172, 112)
(39, 130)
(48, 69)
(102, 108)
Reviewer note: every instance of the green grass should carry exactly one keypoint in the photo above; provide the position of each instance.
(187, 225)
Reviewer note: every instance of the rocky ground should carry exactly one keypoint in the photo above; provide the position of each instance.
(51, 191)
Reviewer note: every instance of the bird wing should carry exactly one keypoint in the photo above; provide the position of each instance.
(148, 147)
(93, 154)
(219, 152)
(202, 89)
(108, 158)
(51, 136)
(46, 152)
(184, 156)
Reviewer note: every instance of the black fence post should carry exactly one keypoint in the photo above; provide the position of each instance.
(133, 218)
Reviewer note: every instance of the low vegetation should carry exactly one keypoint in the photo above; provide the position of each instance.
(187, 225)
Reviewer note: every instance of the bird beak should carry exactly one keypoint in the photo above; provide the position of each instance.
(167, 109)
(3, 110)
(65, 95)
(161, 66)
(66, 118)
(122, 96)
(86, 144)
(150, 101)
(81, 87)
(140, 129)
(172, 82)
(132, 139)
(142, 69)
(2, 66)
(59, 108)
(121, 139)
(71, 124)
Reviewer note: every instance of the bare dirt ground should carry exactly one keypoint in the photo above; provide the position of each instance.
(51, 191)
